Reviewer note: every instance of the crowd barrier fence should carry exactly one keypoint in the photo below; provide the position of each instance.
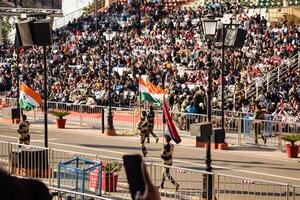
(239, 130)
(42, 163)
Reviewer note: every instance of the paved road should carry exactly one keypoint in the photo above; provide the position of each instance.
(226, 162)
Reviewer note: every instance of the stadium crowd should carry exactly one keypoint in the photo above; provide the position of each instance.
(169, 48)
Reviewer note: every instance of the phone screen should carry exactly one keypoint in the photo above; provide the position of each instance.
(132, 164)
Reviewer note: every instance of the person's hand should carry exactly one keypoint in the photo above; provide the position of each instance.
(151, 191)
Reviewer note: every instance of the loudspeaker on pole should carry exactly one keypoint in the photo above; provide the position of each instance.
(32, 32)
(23, 33)
(235, 37)
(42, 33)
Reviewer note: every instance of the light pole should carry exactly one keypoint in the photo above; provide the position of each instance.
(209, 25)
(45, 97)
(109, 36)
(223, 27)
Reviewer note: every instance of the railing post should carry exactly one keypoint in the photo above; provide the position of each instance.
(133, 121)
(298, 60)
(268, 81)
(213, 186)
(34, 114)
(80, 115)
(256, 88)
(239, 131)
(279, 148)
(218, 179)
(287, 192)
(51, 167)
(278, 74)
(102, 120)
(294, 192)
(234, 96)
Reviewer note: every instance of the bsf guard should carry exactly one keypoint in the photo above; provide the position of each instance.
(23, 130)
(166, 156)
(150, 119)
(258, 117)
(143, 127)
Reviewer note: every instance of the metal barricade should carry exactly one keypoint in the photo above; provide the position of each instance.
(28, 161)
(4, 155)
(229, 187)
(114, 184)
(190, 181)
(295, 192)
(59, 193)
(31, 164)
(56, 156)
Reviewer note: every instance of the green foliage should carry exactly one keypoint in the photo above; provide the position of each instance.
(292, 138)
(60, 113)
(6, 29)
(112, 167)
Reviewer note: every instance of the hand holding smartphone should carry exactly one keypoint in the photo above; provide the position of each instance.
(132, 164)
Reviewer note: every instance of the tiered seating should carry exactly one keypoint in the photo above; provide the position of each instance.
(264, 3)
(174, 3)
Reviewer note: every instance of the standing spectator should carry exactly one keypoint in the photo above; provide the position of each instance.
(258, 116)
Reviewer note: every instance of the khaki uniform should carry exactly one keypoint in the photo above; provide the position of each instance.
(150, 120)
(23, 130)
(166, 156)
(259, 115)
(143, 127)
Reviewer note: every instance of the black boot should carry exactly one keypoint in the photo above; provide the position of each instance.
(157, 139)
(144, 151)
(162, 185)
(264, 139)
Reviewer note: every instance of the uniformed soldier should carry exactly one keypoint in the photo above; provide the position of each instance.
(143, 127)
(150, 119)
(258, 116)
(23, 130)
(166, 156)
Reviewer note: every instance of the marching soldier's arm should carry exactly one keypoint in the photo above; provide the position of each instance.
(165, 150)
(145, 123)
(21, 127)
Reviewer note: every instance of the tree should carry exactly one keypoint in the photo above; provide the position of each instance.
(6, 27)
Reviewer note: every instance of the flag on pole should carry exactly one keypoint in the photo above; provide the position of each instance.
(149, 92)
(29, 98)
(172, 131)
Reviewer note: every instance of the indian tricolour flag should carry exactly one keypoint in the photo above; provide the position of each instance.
(29, 98)
(149, 92)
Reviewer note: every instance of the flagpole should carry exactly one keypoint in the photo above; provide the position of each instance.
(17, 46)
(139, 100)
(45, 99)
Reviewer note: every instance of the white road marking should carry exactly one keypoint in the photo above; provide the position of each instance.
(178, 146)
(175, 160)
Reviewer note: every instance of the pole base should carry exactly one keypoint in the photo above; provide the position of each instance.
(110, 132)
(204, 145)
(223, 146)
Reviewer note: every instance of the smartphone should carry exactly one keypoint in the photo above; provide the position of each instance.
(132, 164)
